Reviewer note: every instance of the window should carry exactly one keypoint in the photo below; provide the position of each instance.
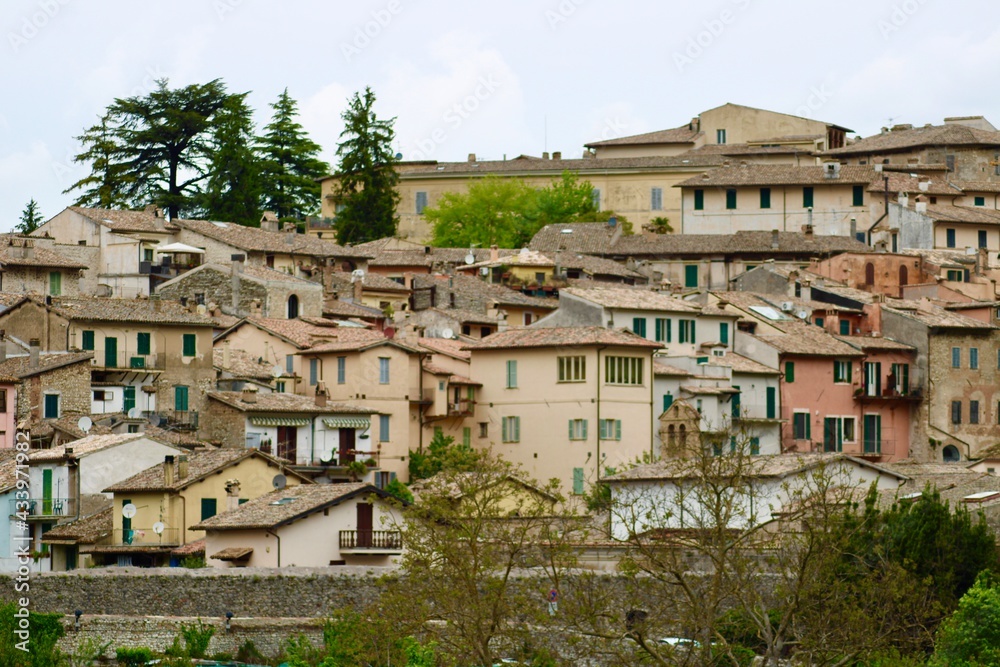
(190, 342)
(974, 358)
(724, 333)
(789, 371)
(623, 370)
(973, 412)
(663, 332)
(572, 369)
(720, 136)
(954, 275)
(611, 429)
(142, 343)
(731, 198)
(980, 201)
(901, 378)
(807, 197)
(383, 370)
(819, 322)
(734, 404)
(639, 326)
(858, 195)
(293, 306)
(956, 357)
(313, 372)
(845, 328)
(578, 481)
(690, 275)
(383, 428)
(765, 197)
(772, 402)
(199, 298)
(833, 434)
(147, 254)
(341, 370)
(656, 199)
(55, 283)
(842, 371)
(51, 406)
(279, 387)
(88, 340)
(800, 426)
(873, 378)
(949, 235)
(873, 434)
(511, 374)
(484, 429)
(982, 238)
(577, 429)
(421, 202)
(180, 398)
(956, 412)
(209, 506)
(511, 427)
(595, 198)
(686, 331)
(755, 446)
(102, 395)
(949, 162)
(869, 274)
(699, 200)
(3, 401)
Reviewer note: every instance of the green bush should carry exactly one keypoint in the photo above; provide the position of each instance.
(193, 562)
(196, 638)
(44, 631)
(133, 657)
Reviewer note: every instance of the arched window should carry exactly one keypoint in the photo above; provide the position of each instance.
(671, 437)
(293, 307)
(869, 274)
(682, 436)
(950, 454)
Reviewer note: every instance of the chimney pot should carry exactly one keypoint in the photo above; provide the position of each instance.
(168, 470)
(557, 155)
(182, 467)
(321, 395)
(472, 157)
(545, 155)
(774, 239)
(249, 394)
(494, 253)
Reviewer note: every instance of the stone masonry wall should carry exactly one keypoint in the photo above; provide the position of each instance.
(217, 287)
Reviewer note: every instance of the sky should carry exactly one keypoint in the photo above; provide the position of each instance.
(495, 79)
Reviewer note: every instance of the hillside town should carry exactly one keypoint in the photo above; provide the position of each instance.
(763, 290)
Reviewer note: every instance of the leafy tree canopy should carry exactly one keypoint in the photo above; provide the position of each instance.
(441, 454)
(971, 636)
(234, 187)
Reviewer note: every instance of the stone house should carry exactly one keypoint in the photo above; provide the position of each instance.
(472, 294)
(310, 525)
(369, 289)
(32, 269)
(37, 388)
(164, 501)
(246, 289)
(878, 273)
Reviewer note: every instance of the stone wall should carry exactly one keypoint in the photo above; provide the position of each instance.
(217, 287)
(71, 382)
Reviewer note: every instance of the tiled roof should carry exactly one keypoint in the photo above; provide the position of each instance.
(876, 343)
(481, 292)
(741, 364)
(253, 272)
(85, 530)
(464, 315)
(445, 346)
(176, 438)
(778, 174)
(342, 280)
(85, 446)
(200, 465)
(931, 135)
(937, 184)
(8, 469)
(196, 548)
(662, 368)
(977, 186)
(285, 506)
(595, 266)
(13, 369)
(254, 239)
(808, 340)
(101, 309)
(339, 308)
(524, 257)
(742, 150)
(968, 214)
(69, 424)
(562, 336)
(939, 318)
(351, 338)
(685, 134)
(633, 299)
(582, 166)
(773, 465)
(300, 333)
(13, 255)
(126, 221)
(282, 402)
(244, 365)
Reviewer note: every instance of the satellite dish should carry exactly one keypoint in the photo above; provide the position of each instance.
(202, 309)
(389, 333)
(85, 424)
(279, 481)
(133, 413)
(154, 419)
(802, 314)
(524, 252)
(399, 156)
(470, 258)
(326, 458)
(158, 527)
(357, 274)
(484, 271)
(128, 511)
(447, 333)
(277, 371)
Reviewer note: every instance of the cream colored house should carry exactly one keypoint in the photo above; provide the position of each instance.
(166, 500)
(310, 525)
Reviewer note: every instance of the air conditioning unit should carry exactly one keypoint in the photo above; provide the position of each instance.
(787, 306)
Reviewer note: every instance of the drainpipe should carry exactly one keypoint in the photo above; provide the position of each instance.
(652, 407)
(277, 537)
(420, 408)
(885, 213)
(598, 429)
(184, 513)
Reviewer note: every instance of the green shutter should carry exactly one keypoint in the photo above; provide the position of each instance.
(668, 400)
(724, 333)
(584, 429)
(658, 326)
(190, 345)
(142, 341)
(789, 371)
(87, 340)
(807, 197)
(128, 401)
(845, 327)
(467, 437)
(180, 398)
(503, 429)
(578, 481)
(639, 326)
(55, 283)
(691, 275)
(859, 195)
(772, 396)
(765, 197)
(511, 374)
(754, 446)
(111, 352)
(571, 429)
(731, 199)
(699, 200)
(209, 507)
(47, 491)
(735, 403)
(126, 524)
(51, 406)
(618, 429)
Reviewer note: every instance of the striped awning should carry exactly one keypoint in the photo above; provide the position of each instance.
(347, 422)
(279, 421)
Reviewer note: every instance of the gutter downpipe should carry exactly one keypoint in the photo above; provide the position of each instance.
(598, 429)
(277, 537)
(885, 213)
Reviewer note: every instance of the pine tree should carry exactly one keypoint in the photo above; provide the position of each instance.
(30, 218)
(105, 186)
(290, 165)
(233, 191)
(367, 173)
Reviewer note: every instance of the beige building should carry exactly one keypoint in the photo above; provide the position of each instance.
(310, 525)
(31, 269)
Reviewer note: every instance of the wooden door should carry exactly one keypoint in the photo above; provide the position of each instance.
(346, 453)
(364, 524)
(288, 442)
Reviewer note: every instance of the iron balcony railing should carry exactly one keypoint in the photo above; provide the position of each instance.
(145, 537)
(43, 508)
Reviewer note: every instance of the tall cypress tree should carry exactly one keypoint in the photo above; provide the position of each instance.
(233, 190)
(367, 172)
(290, 165)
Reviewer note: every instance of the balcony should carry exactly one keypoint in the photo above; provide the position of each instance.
(461, 409)
(371, 541)
(752, 412)
(145, 538)
(875, 448)
(43, 509)
(177, 420)
(889, 393)
(422, 398)
(128, 361)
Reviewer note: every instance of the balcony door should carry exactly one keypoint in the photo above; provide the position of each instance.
(111, 352)
(346, 452)
(364, 524)
(288, 442)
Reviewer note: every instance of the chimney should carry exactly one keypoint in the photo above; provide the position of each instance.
(774, 239)
(321, 395)
(232, 494)
(557, 155)
(921, 205)
(269, 221)
(359, 289)
(168, 470)
(155, 298)
(903, 199)
(236, 270)
(182, 466)
(249, 394)
(472, 157)
(226, 355)
(289, 231)
(28, 249)
(494, 253)
(545, 155)
(33, 352)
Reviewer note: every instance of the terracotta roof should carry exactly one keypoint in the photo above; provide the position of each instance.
(254, 239)
(968, 214)
(633, 299)
(741, 364)
(200, 465)
(101, 309)
(14, 369)
(685, 134)
(126, 221)
(594, 266)
(562, 336)
(86, 446)
(339, 308)
(244, 365)
(704, 390)
(85, 530)
(233, 553)
(773, 465)
(808, 340)
(937, 184)
(474, 291)
(739, 150)
(8, 469)
(446, 346)
(778, 174)
(298, 332)
(939, 318)
(352, 339)
(286, 505)
(876, 343)
(463, 315)
(177, 438)
(341, 280)
(525, 257)
(12, 254)
(662, 368)
(282, 402)
(931, 135)
(977, 186)
(196, 548)
(68, 424)
(253, 272)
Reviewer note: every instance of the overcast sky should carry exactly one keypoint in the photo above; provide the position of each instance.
(495, 79)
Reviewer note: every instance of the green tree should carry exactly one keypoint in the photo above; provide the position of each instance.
(441, 454)
(43, 631)
(367, 189)
(605, 216)
(290, 163)
(152, 148)
(971, 636)
(233, 189)
(30, 218)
